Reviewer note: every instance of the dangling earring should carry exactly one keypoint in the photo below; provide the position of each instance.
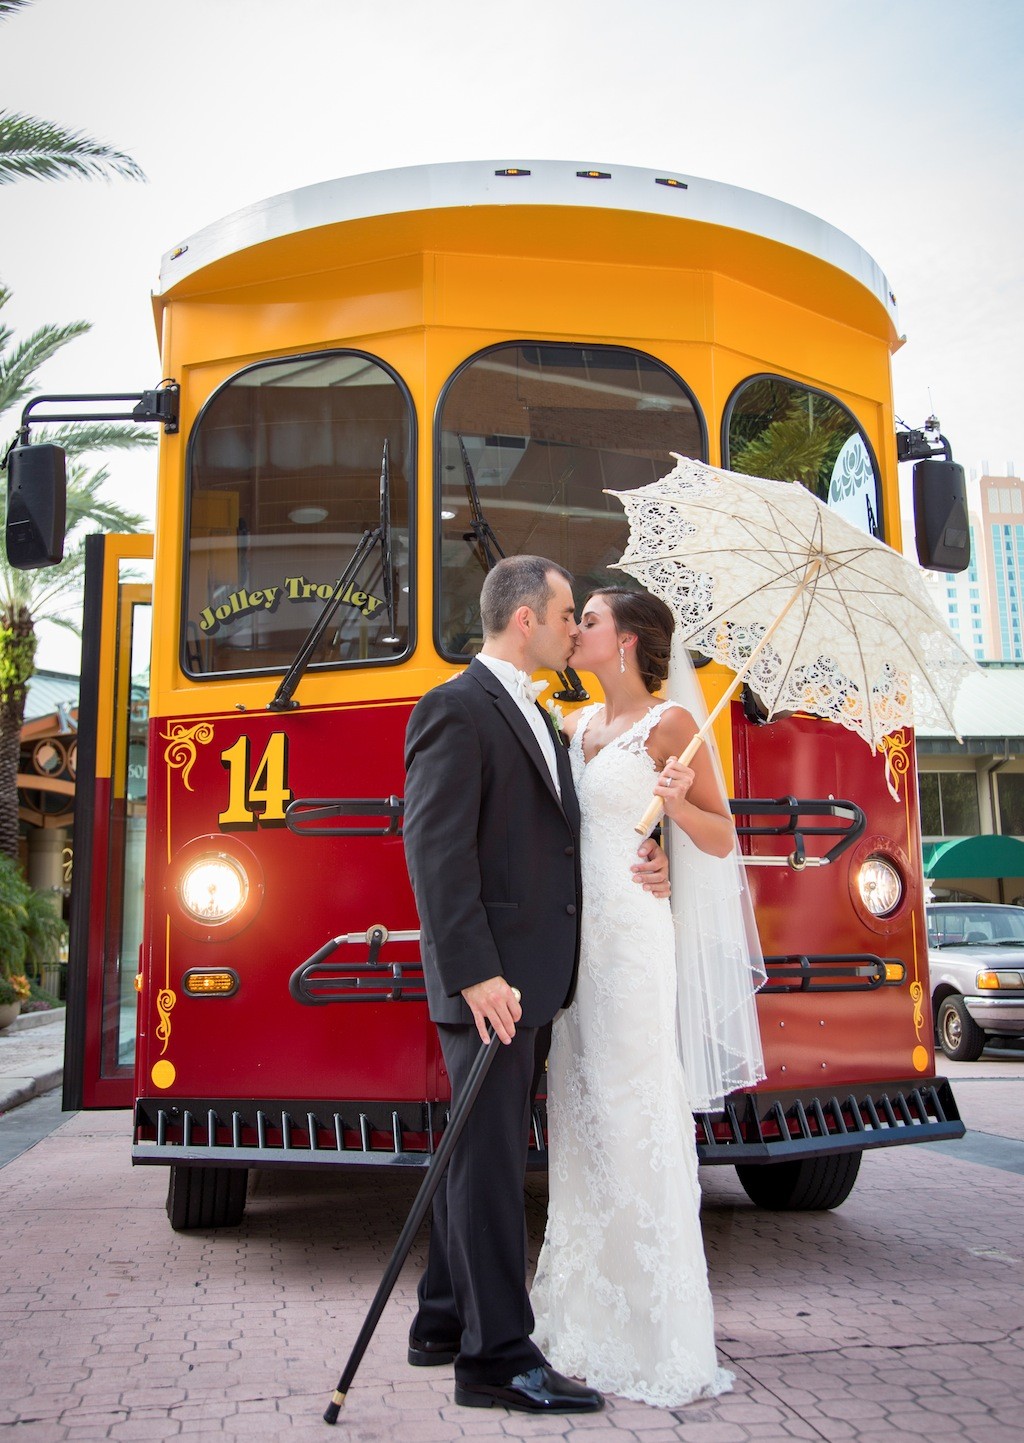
(622, 658)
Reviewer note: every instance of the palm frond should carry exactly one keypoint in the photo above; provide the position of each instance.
(33, 149)
(8, 7)
(17, 367)
(80, 437)
(86, 504)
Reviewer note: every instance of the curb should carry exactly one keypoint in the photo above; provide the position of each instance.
(25, 1089)
(25, 1021)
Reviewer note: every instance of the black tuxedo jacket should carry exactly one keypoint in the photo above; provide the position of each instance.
(492, 852)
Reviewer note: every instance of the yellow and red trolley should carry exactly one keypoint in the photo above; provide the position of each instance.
(380, 383)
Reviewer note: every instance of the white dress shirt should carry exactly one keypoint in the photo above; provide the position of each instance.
(508, 675)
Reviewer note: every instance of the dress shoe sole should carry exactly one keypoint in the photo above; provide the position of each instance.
(432, 1357)
(472, 1398)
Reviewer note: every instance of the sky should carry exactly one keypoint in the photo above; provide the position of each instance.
(897, 121)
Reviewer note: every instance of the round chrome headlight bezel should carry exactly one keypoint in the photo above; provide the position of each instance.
(212, 889)
(880, 885)
(231, 867)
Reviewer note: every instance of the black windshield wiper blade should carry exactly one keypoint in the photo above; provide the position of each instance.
(480, 535)
(484, 544)
(380, 536)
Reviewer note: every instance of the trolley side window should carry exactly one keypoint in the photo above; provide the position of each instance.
(284, 477)
(529, 438)
(789, 432)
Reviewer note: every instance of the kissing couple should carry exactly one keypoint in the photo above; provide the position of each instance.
(536, 908)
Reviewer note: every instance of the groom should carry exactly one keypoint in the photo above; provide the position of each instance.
(492, 846)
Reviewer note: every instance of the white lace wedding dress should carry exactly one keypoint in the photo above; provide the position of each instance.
(621, 1293)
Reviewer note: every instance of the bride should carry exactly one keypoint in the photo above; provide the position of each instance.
(621, 1293)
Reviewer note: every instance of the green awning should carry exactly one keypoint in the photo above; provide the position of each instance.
(986, 856)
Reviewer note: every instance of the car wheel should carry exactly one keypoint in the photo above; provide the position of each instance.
(811, 1184)
(206, 1197)
(960, 1037)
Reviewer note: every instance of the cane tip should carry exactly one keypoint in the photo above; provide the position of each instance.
(334, 1408)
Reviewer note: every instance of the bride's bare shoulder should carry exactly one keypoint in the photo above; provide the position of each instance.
(674, 728)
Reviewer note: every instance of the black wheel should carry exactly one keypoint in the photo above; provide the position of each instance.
(811, 1185)
(960, 1037)
(206, 1197)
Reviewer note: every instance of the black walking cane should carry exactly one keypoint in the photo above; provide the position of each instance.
(428, 1187)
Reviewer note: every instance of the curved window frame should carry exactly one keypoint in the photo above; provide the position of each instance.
(322, 666)
(730, 406)
(438, 463)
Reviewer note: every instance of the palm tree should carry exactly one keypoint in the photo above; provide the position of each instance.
(53, 593)
(32, 149)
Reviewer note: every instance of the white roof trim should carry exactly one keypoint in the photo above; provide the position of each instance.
(550, 183)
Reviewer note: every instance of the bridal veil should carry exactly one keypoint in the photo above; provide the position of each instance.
(719, 961)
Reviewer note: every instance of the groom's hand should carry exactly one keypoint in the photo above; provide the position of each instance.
(494, 1001)
(652, 869)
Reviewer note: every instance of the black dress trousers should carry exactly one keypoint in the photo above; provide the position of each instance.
(474, 1288)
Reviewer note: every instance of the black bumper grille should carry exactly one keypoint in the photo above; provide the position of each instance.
(753, 1128)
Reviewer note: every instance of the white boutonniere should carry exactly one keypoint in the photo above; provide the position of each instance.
(557, 716)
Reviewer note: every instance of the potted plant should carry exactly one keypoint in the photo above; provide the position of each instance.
(13, 992)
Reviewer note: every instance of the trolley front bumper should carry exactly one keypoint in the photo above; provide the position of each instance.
(754, 1127)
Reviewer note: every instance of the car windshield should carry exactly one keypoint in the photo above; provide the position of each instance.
(976, 926)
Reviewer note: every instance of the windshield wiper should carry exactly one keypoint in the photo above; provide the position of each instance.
(481, 537)
(380, 536)
(484, 544)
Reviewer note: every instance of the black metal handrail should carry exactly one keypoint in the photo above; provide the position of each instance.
(319, 981)
(310, 816)
(849, 818)
(317, 817)
(832, 972)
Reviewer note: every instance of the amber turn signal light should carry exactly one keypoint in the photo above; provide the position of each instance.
(201, 982)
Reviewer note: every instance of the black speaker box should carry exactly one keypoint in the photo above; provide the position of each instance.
(36, 506)
(940, 516)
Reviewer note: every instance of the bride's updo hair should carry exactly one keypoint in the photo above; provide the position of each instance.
(651, 622)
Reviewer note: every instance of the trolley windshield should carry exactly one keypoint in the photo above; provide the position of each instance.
(283, 480)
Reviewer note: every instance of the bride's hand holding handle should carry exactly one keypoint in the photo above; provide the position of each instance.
(673, 786)
(688, 792)
(652, 815)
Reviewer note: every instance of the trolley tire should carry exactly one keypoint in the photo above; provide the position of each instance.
(206, 1197)
(960, 1037)
(813, 1184)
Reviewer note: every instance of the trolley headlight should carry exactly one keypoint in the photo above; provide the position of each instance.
(213, 889)
(880, 886)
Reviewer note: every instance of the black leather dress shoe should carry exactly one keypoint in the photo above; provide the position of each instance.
(541, 1390)
(426, 1353)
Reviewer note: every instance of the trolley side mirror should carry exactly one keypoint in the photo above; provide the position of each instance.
(36, 506)
(940, 516)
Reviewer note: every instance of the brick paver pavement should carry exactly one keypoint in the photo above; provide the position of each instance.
(897, 1317)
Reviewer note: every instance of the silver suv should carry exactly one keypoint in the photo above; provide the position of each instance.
(976, 965)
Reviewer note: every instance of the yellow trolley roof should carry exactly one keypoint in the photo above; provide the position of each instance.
(560, 208)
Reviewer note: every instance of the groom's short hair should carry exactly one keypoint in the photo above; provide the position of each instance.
(514, 582)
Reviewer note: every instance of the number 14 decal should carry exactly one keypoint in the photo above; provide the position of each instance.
(260, 796)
